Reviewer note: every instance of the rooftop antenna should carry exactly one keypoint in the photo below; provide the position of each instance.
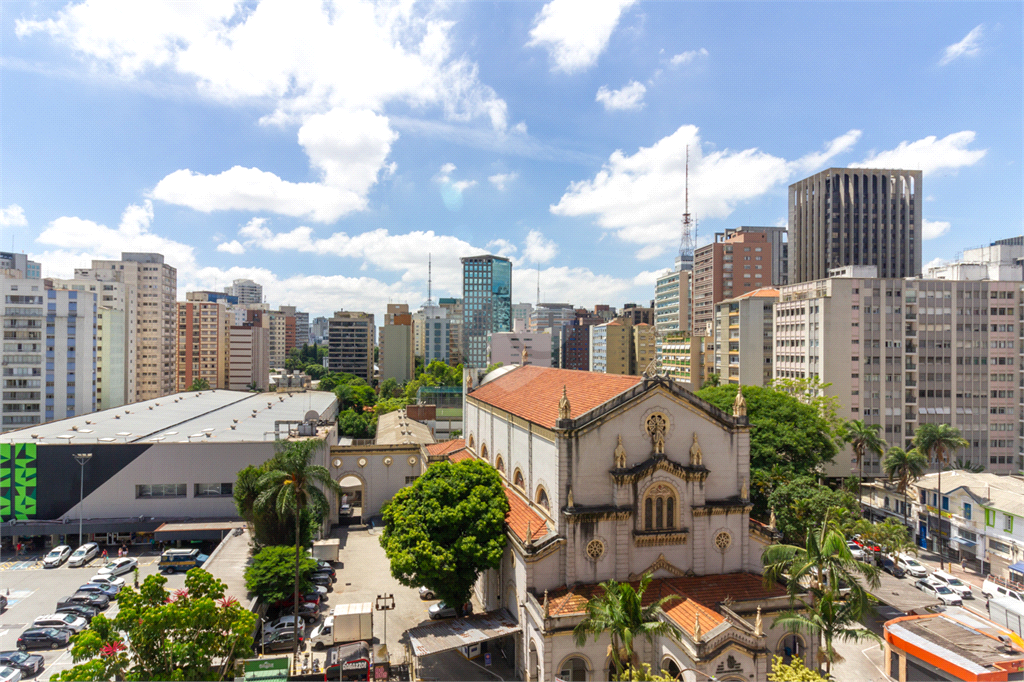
(689, 226)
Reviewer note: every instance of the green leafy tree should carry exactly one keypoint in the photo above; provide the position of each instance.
(619, 611)
(388, 388)
(199, 384)
(811, 391)
(195, 633)
(292, 485)
(938, 442)
(904, 467)
(794, 671)
(315, 371)
(714, 379)
(864, 438)
(389, 405)
(492, 367)
(891, 536)
(254, 387)
(271, 573)
(446, 528)
(356, 424)
(266, 527)
(800, 504)
(355, 396)
(830, 619)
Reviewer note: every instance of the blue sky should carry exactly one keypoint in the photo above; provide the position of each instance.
(325, 149)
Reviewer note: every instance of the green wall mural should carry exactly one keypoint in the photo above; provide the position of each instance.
(24, 470)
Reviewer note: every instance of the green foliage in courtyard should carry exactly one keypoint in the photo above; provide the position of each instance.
(272, 573)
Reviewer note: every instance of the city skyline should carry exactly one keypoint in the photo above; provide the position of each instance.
(516, 129)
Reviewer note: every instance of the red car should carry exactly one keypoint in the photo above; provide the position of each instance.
(869, 546)
(312, 599)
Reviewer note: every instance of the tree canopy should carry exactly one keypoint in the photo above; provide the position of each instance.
(446, 528)
(800, 505)
(271, 574)
(266, 526)
(794, 671)
(199, 384)
(193, 634)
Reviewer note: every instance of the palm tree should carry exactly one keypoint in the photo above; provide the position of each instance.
(292, 485)
(962, 464)
(831, 619)
(823, 562)
(864, 438)
(619, 611)
(938, 441)
(904, 466)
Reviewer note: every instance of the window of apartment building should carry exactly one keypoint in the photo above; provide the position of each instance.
(213, 489)
(998, 546)
(161, 490)
(1008, 523)
(967, 510)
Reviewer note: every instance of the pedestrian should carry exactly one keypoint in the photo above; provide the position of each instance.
(104, 555)
(19, 549)
(963, 564)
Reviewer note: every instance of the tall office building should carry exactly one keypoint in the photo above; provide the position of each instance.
(350, 344)
(297, 328)
(574, 343)
(855, 216)
(246, 290)
(778, 238)
(521, 311)
(155, 346)
(318, 330)
(728, 267)
(248, 357)
(486, 304)
(744, 348)
(552, 315)
(204, 344)
(453, 314)
(396, 359)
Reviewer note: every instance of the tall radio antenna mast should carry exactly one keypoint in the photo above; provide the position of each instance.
(430, 300)
(689, 227)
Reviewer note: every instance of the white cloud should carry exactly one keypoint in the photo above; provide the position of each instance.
(650, 251)
(538, 249)
(501, 247)
(461, 185)
(502, 180)
(13, 216)
(968, 47)
(811, 162)
(929, 154)
(576, 32)
(451, 190)
(582, 287)
(934, 263)
(934, 228)
(234, 246)
(647, 278)
(687, 57)
(640, 197)
(629, 97)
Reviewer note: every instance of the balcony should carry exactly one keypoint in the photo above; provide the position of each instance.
(911, 332)
(910, 316)
(910, 382)
(911, 365)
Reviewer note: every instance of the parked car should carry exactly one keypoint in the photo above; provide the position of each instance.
(953, 583)
(325, 567)
(323, 580)
(278, 624)
(308, 612)
(108, 591)
(57, 556)
(855, 550)
(283, 640)
(180, 560)
(311, 598)
(946, 595)
(3, 603)
(84, 554)
(993, 589)
(10, 674)
(867, 546)
(28, 664)
(442, 610)
(81, 610)
(912, 566)
(44, 638)
(426, 593)
(61, 620)
(119, 566)
(107, 580)
(892, 568)
(98, 601)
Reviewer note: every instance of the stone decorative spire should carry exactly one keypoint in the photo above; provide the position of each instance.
(739, 406)
(772, 521)
(547, 609)
(569, 501)
(758, 624)
(529, 533)
(697, 634)
(620, 455)
(469, 382)
(564, 411)
(523, 357)
(745, 490)
(696, 455)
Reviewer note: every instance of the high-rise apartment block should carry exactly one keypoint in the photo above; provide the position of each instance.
(620, 347)
(743, 346)
(155, 344)
(397, 360)
(297, 328)
(672, 301)
(29, 269)
(486, 304)
(903, 352)
(637, 314)
(552, 315)
(350, 344)
(778, 238)
(204, 344)
(70, 353)
(725, 268)
(453, 314)
(246, 290)
(574, 343)
(248, 357)
(855, 216)
(687, 359)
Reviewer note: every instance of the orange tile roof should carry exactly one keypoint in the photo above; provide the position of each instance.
(520, 517)
(698, 597)
(460, 456)
(446, 447)
(763, 292)
(533, 392)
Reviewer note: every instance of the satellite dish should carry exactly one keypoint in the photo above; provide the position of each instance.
(311, 416)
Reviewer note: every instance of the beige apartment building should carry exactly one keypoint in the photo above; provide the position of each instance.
(154, 347)
(620, 347)
(204, 344)
(396, 357)
(248, 357)
(350, 338)
(687, 359)
(743, 342)
(903, 352)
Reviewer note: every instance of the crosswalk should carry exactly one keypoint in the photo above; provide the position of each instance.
(33, 563)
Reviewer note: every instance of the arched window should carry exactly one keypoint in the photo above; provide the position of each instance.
(471, 441)
(670, 667)
(660, 508)
(542, 498)
(499, 464)
(791, 646)
(483, 451)
(517, 479)
(573, 670)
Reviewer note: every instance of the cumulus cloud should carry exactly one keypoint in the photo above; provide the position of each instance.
(576, 32)
(451, 190)
(502, 180)
(631, 97)
(934, 228)
(647, 278)
(929, 154)
(650, 251)
(968, 47)
(502, 247)
(13, 216)
(234, 247)
(687, 57)
(538, 249)
(640, 197)
(934, 263)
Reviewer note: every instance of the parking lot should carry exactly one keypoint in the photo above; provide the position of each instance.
(33, 591)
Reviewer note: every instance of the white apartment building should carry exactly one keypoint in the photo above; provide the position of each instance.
(550, 316)
(155, 344)
(24, 321)
(507, 347)
(672, 301)
(744, 346)
(1002, 261)
(246, 290)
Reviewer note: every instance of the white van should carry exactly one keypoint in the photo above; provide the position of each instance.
(322, 635)
(994, 588)
(1008, 613)
(953, 583)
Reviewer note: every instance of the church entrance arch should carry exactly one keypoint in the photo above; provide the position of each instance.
(350, 500)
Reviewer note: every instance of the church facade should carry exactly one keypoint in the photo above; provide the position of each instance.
(615, 477)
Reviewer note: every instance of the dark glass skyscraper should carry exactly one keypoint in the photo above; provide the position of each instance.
(486, 304)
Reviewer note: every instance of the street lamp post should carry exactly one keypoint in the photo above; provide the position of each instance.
(81, 458)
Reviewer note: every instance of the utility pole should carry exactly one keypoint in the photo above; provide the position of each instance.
(385, 603)
(81, 458)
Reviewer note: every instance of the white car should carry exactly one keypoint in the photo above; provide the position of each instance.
(855, 550)
(107, 580)
(952, 582)
(9, 674)
(912, 566)
(946, 595)
(119, 566)
(68, 621)
(57, 556)
(84, 554)
(995, 590)
(283, 623)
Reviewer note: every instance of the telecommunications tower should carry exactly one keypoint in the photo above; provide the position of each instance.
(688, 238)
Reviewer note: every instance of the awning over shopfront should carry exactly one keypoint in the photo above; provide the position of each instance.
(1017, 567)
(459, 632)
(964, 543)
(201, 530)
